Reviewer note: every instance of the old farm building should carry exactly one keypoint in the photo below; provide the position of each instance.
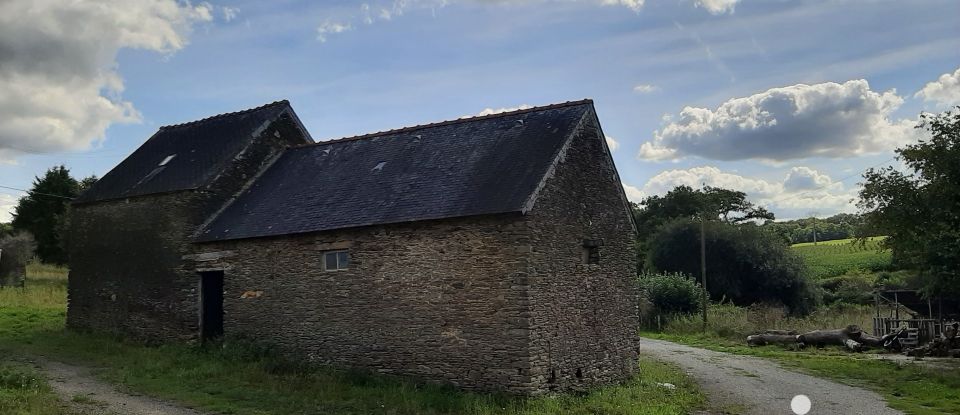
(493, 253)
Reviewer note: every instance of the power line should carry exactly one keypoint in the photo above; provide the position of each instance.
(36, 193)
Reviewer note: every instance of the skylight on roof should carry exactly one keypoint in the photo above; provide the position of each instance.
(167, 160)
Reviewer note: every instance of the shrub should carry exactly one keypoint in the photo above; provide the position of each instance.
(671, 292)
(744, 263)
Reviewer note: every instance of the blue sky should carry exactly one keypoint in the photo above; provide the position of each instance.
(787, 100)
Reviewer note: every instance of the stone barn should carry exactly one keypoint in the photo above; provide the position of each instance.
(492, 253)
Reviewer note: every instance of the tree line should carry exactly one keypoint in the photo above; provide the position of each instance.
(44, 213)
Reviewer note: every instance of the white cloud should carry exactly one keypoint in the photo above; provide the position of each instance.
(944, 91)
(801, 190)
(717, 6)
(821, 120)
(612, 143)
(59, 85)
(491, 111)
(711, 176)
(385, 10)
(634, 5)
(645, 88)
(229, 13)
(7, 203)
(327, 28)
(633, 194)
(805, 178)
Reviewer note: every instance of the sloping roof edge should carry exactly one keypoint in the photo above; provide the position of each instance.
(288, 110)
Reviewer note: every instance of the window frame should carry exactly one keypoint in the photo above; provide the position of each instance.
(336, 254)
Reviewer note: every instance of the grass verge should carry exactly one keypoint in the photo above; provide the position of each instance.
(238, 379)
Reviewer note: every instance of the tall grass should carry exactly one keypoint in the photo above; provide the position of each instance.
(735, 323)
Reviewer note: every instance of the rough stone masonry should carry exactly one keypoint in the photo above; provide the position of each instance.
(493, 253)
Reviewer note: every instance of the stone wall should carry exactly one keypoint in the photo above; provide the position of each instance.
(584, 316)
(126, 272)
(124, 267)
(440, 300)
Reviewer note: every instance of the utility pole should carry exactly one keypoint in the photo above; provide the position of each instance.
(703, 272)
(704, 298)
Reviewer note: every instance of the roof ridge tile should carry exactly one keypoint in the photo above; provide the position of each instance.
(225, 114)
(448, 122)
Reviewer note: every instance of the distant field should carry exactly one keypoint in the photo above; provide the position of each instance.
(833, 258)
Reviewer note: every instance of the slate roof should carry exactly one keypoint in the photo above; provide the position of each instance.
(481, 165)
(200, 149)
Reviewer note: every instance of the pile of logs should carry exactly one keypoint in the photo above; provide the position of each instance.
(854, 339)
(850, 337)
(947, 345)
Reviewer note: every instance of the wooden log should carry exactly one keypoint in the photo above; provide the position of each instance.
(836, 337)
(765, 339)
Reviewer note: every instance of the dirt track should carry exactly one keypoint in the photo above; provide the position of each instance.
(751, 385)
(85, 394)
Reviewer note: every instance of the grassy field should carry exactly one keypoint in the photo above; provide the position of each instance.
(237, 379)
(833, 258)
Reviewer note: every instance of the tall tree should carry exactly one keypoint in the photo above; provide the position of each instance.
(714, 203)
(919, 210)
(40, 211)
(731, 206)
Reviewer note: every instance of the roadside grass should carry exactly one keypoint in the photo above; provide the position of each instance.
(24, 392)
(834, 258)
(237, 378)
(912, 388)
(727, 321)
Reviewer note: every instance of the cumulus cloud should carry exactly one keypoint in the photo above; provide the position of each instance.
(944, 91)
(612, 143)
(821, 120)
(59, 85)
(645, 88)
(802, 188)
(491, 111)
(328, 28)
(633, 194)
(711, 176)
(7, 203)
(805, 178)
(717, 6)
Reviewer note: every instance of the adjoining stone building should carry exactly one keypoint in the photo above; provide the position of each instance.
(493, 253)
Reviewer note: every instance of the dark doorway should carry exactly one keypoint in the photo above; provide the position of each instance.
(211, 304)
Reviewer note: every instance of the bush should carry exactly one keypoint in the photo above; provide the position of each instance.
(671, 293)
(745, 264)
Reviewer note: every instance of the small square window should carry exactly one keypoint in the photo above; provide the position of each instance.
(591, 251)
(336, 260)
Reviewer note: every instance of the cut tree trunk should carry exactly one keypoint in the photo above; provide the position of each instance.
(765, 339)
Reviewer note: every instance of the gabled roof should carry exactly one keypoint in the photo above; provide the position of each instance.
(481, 165)
(185, 156)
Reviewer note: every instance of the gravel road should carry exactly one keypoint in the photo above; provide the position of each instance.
(751, 385)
